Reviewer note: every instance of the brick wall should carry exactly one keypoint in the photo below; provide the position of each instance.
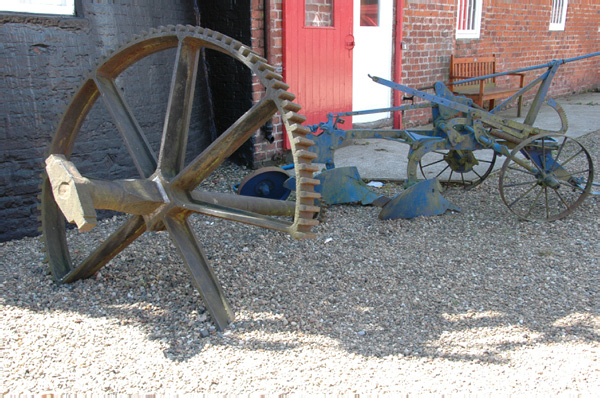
(265, 152)
(515, 30)
(42, 61)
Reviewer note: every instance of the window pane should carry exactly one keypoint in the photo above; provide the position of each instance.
(318, 13)
(63, 7)
(558, 14)
(468, 19)
(369, 12)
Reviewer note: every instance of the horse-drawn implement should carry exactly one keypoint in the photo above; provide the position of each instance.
(546, 174)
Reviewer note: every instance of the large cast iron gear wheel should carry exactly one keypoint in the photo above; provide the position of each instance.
(166, 192)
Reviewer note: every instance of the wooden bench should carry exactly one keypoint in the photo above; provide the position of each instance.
(483, 90)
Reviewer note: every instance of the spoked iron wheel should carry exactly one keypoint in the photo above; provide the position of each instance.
(458, 167)
(546, 177)
(165, 194)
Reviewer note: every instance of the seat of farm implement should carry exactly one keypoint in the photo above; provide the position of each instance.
(482, 90)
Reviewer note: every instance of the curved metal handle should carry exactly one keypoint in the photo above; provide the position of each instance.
(350, 41)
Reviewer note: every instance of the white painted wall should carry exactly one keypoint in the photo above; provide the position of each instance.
(372, 55)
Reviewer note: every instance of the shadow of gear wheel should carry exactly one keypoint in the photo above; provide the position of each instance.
(167, 185)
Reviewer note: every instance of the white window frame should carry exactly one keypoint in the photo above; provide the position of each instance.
(53, 7)
(466, 16)
(558, 15)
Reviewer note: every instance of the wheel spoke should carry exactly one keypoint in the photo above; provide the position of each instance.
(516, 184)
(224, 146)
(546, 199)
(544, 157)
(566, 176)
(200, 204)
(113, 245)
(432, 163)
(441, 172)
(135, 140)
(534, 202)
(560, 150)
(572, 157)
(522, 196)
(179, 109)
(202, 274)
(570, 185)
(564, 202)
(522, 170)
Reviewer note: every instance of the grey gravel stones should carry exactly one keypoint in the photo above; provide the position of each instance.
(476, 301)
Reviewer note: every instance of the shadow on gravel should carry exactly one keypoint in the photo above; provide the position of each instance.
(474, 286)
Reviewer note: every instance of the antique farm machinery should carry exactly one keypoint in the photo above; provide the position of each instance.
(545, 176)
(166, 192)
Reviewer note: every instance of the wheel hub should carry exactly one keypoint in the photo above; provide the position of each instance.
(461, 161)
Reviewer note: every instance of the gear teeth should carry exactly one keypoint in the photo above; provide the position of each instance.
(299, 129)
(295, 117)
(308, 167)
(286, 96)
(270, 75)
(262, 66)
(311, 209)
(277, 84)
(303, 154)
(311, 222)
(309, 181)
(309, 195)
(305, 142)
(290, 106)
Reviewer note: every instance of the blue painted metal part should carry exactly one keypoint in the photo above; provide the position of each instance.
(422, 199)
(265, 183)
(344, 185)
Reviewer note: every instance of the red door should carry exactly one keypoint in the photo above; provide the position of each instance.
(317, 58)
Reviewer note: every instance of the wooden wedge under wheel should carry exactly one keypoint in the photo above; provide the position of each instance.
(166, 192)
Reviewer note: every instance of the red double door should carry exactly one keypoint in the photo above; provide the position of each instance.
(318, 44)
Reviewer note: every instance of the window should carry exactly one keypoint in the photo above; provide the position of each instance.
(369, 12)
(318, 13)
(61, 7)
(468, 21)
(559, 14)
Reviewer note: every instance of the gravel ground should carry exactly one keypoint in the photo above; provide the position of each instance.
(467, 302)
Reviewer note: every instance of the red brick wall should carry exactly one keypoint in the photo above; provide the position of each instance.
(264, 150)
(515, 30)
